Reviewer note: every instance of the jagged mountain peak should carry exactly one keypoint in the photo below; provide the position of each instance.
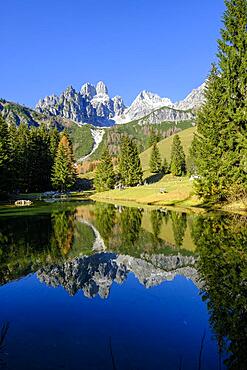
(194, 99)
(88, 90)
(101, 88)
(152, 99)
(92, 104)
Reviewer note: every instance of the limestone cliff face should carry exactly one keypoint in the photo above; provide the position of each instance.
(92, 104)
(95, 274)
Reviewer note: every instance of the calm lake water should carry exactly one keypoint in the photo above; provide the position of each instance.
(96, 286)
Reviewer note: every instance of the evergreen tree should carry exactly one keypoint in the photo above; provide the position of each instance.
(129, 163)
(22, 158)
(63, 173)
(155, 159)
(221, 157)
(178, 167)
(54, 141)
(4, 155)
(165, 167)
(12, 134)
(105, 176)
(179, 225)
(154, 137)
(156, 220)
(191, 160)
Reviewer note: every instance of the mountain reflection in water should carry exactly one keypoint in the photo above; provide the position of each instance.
(90, 247)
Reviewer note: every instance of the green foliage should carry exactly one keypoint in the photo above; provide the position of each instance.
(105, 176)
(156, 220)
(221, 155)
(222, 246)
(165, 167)
(155, 159)
(178, 167)
(130, 226)
(82, 140)
(105, 220)
(63, 171)
(32, 157)
(138, 132)
(179, 225)
(154, 136)
(4, 156)
(191, 159)
(129, 163)
(63, 224)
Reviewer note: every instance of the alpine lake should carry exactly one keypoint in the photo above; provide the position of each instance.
(87, 285)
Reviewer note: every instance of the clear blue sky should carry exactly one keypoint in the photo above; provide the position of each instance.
(158, 45)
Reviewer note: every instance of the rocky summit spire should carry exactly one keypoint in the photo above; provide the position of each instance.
(101, 88)
(88, 90)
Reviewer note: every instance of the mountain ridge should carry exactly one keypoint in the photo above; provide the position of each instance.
(93, 104)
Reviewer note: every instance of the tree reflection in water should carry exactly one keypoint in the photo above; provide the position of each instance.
(28, 244)
(222, 245)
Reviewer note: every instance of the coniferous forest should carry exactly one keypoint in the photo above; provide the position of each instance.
(34, 159)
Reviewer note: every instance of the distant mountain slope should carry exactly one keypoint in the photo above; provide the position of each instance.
(164, 145)
(15, 113)
(81, 136)
(140, 132)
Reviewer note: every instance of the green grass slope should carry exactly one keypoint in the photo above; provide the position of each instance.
(164, 145)
(139, 132)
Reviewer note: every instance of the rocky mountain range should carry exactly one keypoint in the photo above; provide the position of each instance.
(89, 105)
(92, 104)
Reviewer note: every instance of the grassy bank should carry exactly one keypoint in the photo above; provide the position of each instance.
(165, 145)
(169, 191)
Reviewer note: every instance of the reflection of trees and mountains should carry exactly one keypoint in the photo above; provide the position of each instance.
(153, 239)
(93, 246)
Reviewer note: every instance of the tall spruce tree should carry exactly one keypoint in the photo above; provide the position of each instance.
(178, 167)
(221, 149)
(155, 159)
(165, 166)
(4, 156)
(105, 176)
(129, 163)
(22, 158)
(64, 173)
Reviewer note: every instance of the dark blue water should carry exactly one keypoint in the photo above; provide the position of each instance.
(123, 306)
(152, 328)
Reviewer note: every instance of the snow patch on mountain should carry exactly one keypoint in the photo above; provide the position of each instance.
(97, 135)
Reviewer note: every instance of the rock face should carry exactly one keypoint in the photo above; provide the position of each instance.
(151, 108)
(90, 105)
(194, 100)
(15, 113)
(94, 105)
(145, 103)
(95, 274)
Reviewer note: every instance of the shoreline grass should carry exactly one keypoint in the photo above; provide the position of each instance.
(170, 191)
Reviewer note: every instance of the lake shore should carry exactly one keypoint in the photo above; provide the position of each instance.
(169, 192)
